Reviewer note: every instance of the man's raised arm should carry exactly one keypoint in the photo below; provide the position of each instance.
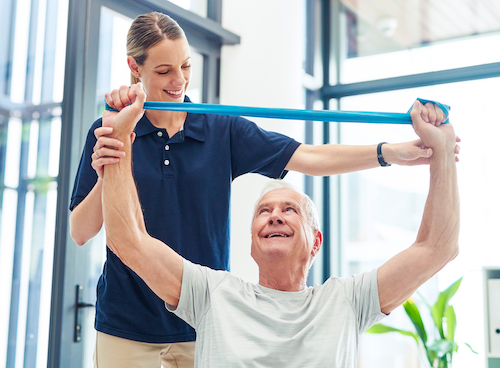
(437, 239)
(157, 264)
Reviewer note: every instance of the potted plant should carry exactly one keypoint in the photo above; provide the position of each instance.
(440, 348)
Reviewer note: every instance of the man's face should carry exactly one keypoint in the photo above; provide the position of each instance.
(281, 230)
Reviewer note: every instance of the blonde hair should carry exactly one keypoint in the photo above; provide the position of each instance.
(146, 31)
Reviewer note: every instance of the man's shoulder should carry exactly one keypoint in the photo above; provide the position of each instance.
(359, 278)
(197, 271)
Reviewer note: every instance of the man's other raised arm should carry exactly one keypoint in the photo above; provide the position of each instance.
(157, 264)
(437, 239)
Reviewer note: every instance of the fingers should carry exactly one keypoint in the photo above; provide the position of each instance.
(98, 160)
(429, 113)
(108, 142)
(102, 131)
(103, 140)
(418, 150)
(419, 115)
(105, 152)
(138, 96)
(432, 114)
(105, 156)
(106, 149)
(121, 97)
(457, 148)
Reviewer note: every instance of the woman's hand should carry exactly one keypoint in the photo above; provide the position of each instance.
(106, 150)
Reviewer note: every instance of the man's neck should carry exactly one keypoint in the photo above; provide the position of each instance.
(283, 277)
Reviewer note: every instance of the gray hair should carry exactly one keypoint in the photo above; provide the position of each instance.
(309, 206)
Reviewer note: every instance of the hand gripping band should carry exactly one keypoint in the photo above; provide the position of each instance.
(293, 114)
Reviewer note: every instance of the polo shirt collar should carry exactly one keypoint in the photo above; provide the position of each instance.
(194, 126)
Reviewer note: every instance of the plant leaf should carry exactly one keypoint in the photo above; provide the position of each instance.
(380, 328)
(441, 347)
(413, 313)
(438, 309)
(425, 301)
(470, 347)
(451, 322)
(432, 356)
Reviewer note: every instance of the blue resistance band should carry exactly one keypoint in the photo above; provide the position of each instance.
(293, 114)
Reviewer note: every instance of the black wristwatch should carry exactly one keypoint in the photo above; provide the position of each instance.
(380, 158)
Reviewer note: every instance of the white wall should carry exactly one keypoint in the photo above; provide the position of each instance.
(264, 70)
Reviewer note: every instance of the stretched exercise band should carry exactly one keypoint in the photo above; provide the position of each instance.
(294, 114)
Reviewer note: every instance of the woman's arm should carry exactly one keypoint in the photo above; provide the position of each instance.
(85, 220)
(333, 159)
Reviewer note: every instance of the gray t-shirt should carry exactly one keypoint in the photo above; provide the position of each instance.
(240, 324)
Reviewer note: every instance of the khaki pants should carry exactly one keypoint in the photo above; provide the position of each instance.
(115, 352)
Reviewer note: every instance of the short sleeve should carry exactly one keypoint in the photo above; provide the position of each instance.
(255, 150)
(86, 177)
(198, 283)
(362, 292)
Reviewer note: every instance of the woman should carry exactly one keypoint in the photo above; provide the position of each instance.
(183, 165)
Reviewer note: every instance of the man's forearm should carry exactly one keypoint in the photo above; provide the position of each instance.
(158, 265)
(440, 225)
(121, 207)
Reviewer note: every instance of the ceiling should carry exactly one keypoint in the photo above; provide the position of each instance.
(377, 26)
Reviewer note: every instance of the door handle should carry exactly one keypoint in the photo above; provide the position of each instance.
(77, 335)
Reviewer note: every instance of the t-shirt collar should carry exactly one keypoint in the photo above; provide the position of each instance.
(194, 126)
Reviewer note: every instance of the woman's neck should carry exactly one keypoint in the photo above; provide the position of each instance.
(172, 121)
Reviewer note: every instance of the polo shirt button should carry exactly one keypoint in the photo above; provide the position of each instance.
(167, 147)
(159, 134)
(166, 162)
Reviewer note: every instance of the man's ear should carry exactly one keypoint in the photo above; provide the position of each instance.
(318, 240)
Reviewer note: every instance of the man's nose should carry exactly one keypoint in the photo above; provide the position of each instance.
(276, 218)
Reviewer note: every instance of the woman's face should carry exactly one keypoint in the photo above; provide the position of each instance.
(166, 72)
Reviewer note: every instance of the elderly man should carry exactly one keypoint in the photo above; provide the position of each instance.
(281, 321)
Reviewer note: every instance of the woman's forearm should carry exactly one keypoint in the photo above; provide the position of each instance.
(86, 218)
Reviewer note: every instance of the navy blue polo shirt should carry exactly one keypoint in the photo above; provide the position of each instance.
(184, 186)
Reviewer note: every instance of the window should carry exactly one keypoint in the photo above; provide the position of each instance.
(370, 68)
(32, 44)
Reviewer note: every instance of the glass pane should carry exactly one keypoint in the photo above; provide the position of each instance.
(383, 209)
(31, 78)
(198, 7)
(388, 38)
(195, 89)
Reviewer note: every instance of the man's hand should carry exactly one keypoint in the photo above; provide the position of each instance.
(427, 121)
(130, 105)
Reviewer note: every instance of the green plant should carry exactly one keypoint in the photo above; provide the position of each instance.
(439, 350)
